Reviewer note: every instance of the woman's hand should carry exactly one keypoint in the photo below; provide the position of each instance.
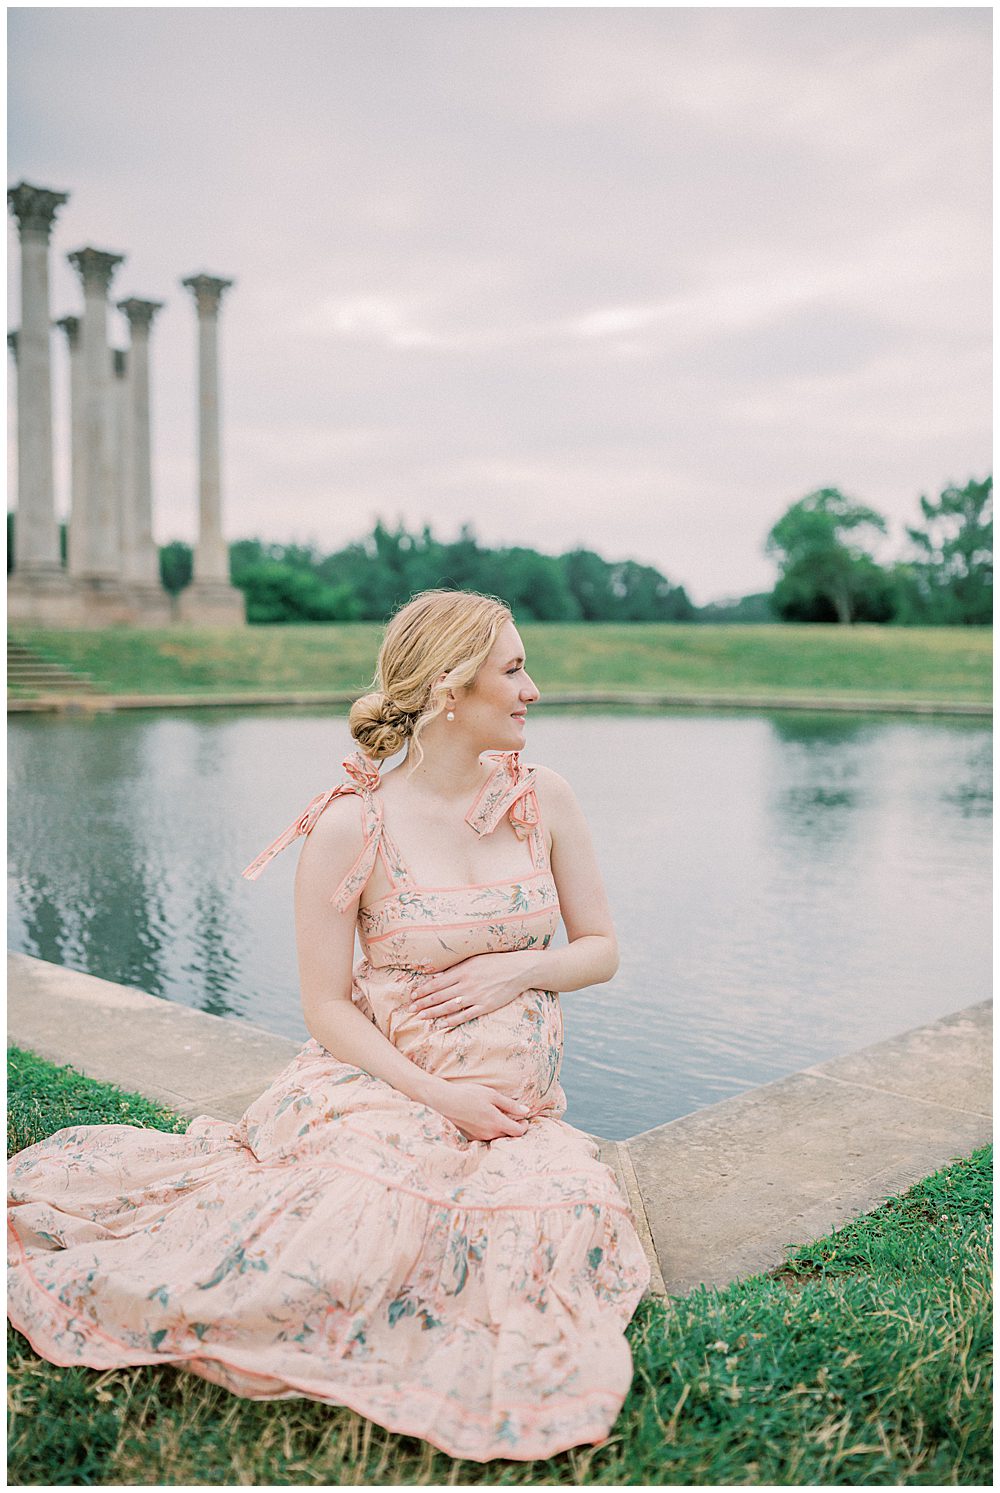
(481, 1113)
(481, 983)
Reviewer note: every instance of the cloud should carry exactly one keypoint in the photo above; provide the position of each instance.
(634, 276)
(373, 317)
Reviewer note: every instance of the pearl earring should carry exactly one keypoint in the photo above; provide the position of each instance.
(450, 716)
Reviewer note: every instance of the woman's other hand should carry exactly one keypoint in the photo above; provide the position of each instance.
(481, 1113)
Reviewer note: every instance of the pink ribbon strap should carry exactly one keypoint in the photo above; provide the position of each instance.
(300, 826)
(363, 773)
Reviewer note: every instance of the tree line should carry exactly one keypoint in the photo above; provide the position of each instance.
(369, 578)
(821, 545)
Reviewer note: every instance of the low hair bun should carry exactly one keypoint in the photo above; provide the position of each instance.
(379, 725)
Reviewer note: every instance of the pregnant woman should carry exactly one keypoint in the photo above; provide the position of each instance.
(403, 1222)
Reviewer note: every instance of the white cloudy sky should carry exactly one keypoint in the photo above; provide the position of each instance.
(628, 278)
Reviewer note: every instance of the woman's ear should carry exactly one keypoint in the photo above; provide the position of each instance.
(448, 694)
(440, 680)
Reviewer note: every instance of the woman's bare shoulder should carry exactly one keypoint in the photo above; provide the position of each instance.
(548, 778)
(338, 833)
(555, 794)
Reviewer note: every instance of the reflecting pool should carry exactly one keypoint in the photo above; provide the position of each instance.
(786, 887)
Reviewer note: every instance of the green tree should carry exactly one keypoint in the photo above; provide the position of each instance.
(276, 592)
(824, 577)
(244, 554)
(642, 594)
(379, 570)
(464, 565)
(534, 586)
(951, 575)
(176, 565)
(588, 576)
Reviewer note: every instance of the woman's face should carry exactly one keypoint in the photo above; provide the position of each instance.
(493, 708)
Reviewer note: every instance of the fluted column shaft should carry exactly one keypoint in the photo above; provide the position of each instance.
(37, 546)
(77, 552)
(140, 560)
(120, 439)
(211, 556)
(102, 535)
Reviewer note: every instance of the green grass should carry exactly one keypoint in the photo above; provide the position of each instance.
(866, 663)
(864, 1360)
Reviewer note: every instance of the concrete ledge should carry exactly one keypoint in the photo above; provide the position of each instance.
(716, 1195)
(730, 1187)
(189, 1060)
(631, 698)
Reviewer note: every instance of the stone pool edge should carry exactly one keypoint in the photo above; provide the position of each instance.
(717, 1195)
(88, 704)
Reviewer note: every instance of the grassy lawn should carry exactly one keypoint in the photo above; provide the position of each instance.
(864, 1360)
(930, 663)
(867, 663)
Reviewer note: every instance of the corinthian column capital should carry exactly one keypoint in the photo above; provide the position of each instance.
(140, 313)
(71, 326)
(207, 291)
(95, 267)
(35, 208)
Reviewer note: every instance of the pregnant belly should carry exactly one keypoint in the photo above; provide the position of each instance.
(517, 1050)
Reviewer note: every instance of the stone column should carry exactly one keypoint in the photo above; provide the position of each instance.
(118, 440)
(101, 540)
(12, 349)
(140, 559)
(210, 598)
(40, 586)
(78, 526)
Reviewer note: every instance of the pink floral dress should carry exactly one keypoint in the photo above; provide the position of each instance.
(342, 1241)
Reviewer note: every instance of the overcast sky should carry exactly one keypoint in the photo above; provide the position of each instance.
(630, 279)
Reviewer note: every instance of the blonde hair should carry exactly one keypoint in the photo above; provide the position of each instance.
(436, 632)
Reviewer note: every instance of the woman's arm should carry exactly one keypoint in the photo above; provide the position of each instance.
(487, 981)
(325, 944)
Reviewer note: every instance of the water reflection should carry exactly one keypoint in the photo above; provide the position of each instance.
(44, 923)
(812, 728)
(91, 889)
(971, 795)
(785, 887)
(214, 967)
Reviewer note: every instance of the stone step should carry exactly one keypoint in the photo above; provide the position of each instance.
(25, 672)
(42, 671)
(33, 666)
(48, 685)
(30, 670)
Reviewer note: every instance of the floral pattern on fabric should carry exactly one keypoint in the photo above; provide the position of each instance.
(344, 1242)
(442, 906)
(510, 790)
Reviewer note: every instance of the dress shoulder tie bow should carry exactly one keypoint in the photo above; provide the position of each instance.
(509, 790)
(363, 780)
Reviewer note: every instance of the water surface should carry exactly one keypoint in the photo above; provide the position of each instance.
(786, 887)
